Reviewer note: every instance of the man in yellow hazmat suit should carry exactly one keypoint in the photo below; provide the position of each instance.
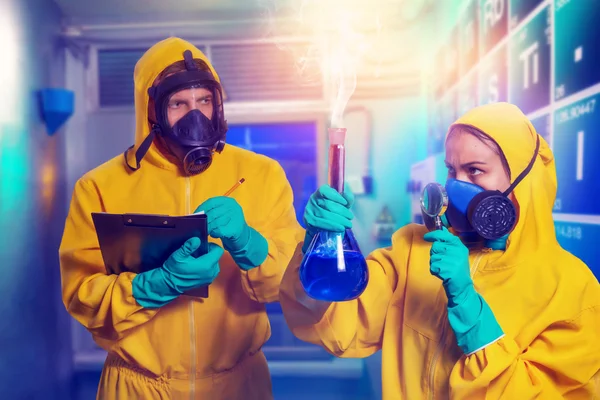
(493, 308)
(162, 345)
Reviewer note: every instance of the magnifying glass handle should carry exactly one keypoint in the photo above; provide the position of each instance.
(438, 224)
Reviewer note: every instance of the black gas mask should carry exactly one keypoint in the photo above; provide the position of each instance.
(194, 138)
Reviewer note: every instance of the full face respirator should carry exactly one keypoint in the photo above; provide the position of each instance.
(194, 138)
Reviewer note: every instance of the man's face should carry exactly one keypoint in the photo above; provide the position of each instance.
(187, 100)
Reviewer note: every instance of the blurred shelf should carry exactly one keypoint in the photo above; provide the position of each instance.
(283, 362)
(273, 308)
(296, 353)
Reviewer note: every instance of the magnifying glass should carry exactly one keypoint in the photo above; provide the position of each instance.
(434, 202)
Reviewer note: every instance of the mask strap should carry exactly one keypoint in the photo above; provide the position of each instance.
(190, 65)
(526, 171)
(141, 151)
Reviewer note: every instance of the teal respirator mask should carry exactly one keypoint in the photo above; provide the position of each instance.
(469, 209)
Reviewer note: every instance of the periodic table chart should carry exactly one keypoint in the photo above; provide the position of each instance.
(544, 57)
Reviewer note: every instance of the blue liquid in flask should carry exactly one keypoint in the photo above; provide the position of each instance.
(333, 268)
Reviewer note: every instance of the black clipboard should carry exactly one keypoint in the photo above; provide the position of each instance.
(142, 242)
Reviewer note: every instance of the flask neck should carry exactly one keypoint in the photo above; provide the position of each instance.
(337, 156)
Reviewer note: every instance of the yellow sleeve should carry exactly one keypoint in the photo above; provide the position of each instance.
(282, 232)
(103, 303)
(352, 328)
(563, 362)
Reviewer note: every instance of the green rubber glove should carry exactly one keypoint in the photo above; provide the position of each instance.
(327, 210)
(180, 273)
(470, 317)
(226, 221)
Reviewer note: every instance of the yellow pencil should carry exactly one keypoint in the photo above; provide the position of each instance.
(237, 184)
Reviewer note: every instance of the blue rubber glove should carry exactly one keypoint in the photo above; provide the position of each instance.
(180, 273)
(327, 210)
(226, 221)
(470, 317)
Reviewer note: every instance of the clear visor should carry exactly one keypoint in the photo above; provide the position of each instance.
(200, 98)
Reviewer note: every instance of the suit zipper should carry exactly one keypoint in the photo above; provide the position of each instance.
(440, 346)
(188, 195)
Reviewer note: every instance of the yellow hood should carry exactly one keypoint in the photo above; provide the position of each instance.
(535, 194)
(147, 69)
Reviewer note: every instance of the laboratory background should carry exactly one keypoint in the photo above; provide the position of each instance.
(409, 69)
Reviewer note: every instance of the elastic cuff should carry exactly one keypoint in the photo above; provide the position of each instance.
(150, 289)
(485, 345)
(253, 254)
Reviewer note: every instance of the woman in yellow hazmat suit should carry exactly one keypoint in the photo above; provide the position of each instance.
(162, 345)
(456, 315)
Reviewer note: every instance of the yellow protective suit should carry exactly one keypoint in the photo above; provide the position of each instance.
(546, 300)
(190, 348)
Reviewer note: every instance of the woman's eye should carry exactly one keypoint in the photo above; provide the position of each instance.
(475, 171)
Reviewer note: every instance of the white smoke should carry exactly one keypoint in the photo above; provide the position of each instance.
(339, 35)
